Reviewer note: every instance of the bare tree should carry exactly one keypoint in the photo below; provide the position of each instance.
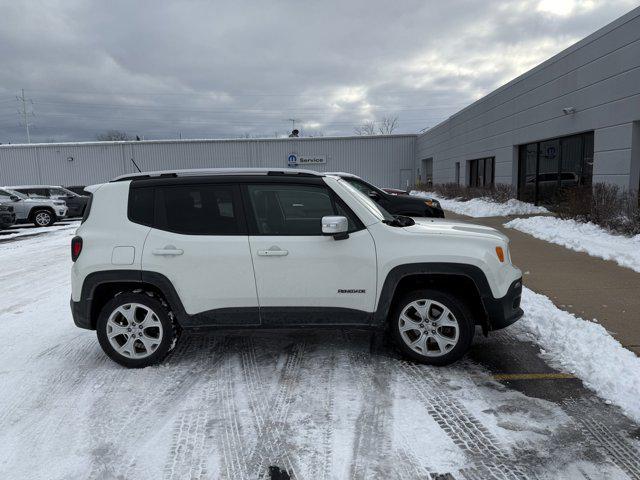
(388, 125)
(367, 128)
(113, 136)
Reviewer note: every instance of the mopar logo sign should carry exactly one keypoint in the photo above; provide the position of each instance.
(293, 159)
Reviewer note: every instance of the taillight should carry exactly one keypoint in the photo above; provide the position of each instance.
(76, 248)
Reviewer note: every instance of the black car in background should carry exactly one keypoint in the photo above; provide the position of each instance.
(7, 216)
(393, 203)
(76, 203)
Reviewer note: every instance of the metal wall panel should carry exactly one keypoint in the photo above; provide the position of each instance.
(378, 159)
(599, 77)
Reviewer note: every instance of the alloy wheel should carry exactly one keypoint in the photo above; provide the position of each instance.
(428, 328)
(134, 330)
(43, 218)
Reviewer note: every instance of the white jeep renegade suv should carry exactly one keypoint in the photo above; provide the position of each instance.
(158, 253)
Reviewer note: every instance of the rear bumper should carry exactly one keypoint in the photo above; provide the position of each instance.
(504, 311)
(81, 314)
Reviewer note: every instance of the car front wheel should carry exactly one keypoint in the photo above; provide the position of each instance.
(432, 327)
(43, 218)
(136, 330)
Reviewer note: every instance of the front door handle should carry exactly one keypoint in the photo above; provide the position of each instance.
(273, 252)
(169, 250)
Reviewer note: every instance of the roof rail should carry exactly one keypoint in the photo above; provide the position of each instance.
(216, 171)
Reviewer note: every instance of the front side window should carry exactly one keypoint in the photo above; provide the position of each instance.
(205, 209)
(293, 209)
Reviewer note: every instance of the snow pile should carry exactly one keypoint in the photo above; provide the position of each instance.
(583, 348)
(484, 207)
(583, 237)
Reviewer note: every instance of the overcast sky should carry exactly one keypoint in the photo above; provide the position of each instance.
(199, 69)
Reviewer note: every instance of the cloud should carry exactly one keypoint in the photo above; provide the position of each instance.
(195, 68)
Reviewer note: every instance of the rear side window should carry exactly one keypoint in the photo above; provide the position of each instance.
(141, 205)
(87, 209)
(205, 209)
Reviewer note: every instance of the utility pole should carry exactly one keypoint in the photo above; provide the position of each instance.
(24, 113)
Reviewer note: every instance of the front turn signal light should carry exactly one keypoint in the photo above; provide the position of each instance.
(500, 253)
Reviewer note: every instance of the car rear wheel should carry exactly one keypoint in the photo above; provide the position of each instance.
(136, 330)
(43, 218)
(432, 327)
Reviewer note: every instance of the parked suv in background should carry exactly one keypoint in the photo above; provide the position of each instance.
(7, 215)
(161, 252)
(393, 203)
(75, 203)
(41, 212)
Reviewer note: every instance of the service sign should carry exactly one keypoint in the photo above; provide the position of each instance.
(294, 159)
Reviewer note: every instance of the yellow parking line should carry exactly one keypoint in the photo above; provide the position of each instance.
(532, 376)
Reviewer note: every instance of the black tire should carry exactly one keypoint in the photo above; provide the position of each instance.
(461, 314)
(159, 308)
(39, 215)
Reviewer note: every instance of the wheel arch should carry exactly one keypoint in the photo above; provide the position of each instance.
(33, 211)
(100, 287)
(465, 281)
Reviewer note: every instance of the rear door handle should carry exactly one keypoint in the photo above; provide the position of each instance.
(168, 251)
(273, 252)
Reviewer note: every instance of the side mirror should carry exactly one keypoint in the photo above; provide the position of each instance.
(14, 198)
(335, 226)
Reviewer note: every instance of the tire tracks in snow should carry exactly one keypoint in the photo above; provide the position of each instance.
(271, 417)
(465, 430)
(615, 447)
(130, 425)
(372, 375)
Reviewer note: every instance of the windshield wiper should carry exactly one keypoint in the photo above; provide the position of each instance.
(399, 221)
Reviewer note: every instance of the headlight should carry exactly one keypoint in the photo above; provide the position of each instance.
(429, 203)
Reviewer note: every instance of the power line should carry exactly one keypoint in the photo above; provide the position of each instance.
(24, 113)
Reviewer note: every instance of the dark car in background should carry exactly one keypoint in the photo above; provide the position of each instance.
(394, 203)
(7, 216)
(76, 203)
(395, 191)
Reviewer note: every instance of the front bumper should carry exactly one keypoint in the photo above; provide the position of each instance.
(504, 311)
(7, 219)
(61, 212)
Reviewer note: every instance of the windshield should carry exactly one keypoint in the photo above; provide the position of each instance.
(16, 193)
(377, 210)
(363, 186)
(62, 192)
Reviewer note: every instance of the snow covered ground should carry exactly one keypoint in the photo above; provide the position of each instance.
(483, 207)
(321, 405)
(24, 230)
(583, 237)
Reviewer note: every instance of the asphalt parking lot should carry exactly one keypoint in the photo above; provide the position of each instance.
(313, 404)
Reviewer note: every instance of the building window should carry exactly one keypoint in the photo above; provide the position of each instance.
(481, 172)
(547, 168)
(457, 173)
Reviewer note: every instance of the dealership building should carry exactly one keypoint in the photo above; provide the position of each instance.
(572, 120)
